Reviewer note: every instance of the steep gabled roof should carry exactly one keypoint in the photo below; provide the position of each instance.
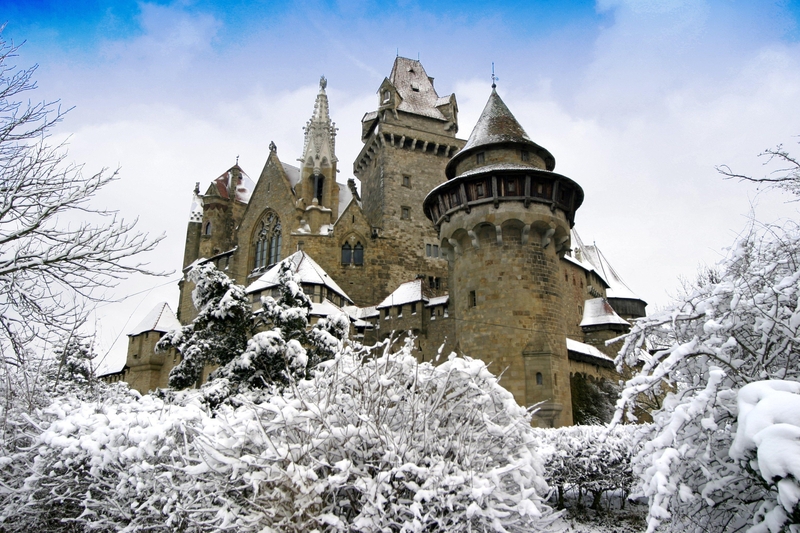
(243, 187)
(598, 312)
(160, 319)
(415, 88)
(617, 288)
(308, 270)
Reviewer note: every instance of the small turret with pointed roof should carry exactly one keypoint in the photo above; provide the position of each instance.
(317, 186)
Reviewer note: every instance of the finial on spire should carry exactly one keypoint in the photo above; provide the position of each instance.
(272, 147)
(323, 82)
(495, 79)
(237, 159)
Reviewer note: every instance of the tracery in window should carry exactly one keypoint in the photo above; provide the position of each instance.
(268, 242)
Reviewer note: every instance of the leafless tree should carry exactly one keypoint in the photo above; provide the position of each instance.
(784, 171)
(57, 251)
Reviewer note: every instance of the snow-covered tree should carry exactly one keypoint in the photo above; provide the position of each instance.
(287, 350)
(220, 331)
(735, 328)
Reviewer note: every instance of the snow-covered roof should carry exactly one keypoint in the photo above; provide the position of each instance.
(598, 312)
(293, 173)
(326, 308)
(500, 166)
(587, 350)
(438, 300)
(410, 291)
(415, 88)
(160, 319)
(356, 312)
(244, 186)
(345, 196)
(617, 288)
(306, 268)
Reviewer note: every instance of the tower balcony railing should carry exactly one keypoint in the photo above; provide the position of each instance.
(467, 191)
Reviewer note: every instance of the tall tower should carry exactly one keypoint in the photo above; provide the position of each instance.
(317, 192)
(407, 143)
(504, 218)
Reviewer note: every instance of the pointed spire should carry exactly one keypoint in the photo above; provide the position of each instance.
(498, 126)
(320, 132)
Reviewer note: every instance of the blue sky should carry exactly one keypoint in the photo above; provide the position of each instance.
(637, 100)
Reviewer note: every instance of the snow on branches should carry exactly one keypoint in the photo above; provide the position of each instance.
(368, 444)
(734, 328)
(57, 251)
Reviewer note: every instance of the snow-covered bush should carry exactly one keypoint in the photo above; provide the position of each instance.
(768, 440)
(595, 459)
(375, 444)
(736, 327)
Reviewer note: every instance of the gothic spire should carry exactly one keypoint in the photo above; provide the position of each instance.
(319, 148)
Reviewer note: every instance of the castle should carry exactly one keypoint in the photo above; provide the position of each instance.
(467, 245)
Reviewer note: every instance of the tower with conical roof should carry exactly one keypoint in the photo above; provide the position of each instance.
(503, 218)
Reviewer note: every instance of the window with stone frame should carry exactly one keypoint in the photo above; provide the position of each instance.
(267, 242)
(207, 230)
(407, 181)
(405, 213)
(358, 254)
(347, 253)
(480, 157)
(473, 299)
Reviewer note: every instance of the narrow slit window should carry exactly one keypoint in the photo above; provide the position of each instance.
(480, 157)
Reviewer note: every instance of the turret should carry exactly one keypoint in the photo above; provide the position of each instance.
(503, 219)
(318, 194)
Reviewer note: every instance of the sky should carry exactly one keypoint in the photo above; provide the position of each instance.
(639, 102)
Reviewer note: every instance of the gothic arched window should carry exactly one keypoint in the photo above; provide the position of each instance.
(358, 254)
(347, 253)
(268, 242)
(207, 230)
(319, 180)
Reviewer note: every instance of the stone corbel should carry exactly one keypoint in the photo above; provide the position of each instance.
(455, 245)
(526, 230)
(547, 236)
(474, 238)
(562, 245)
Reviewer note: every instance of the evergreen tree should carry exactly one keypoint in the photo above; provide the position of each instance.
(218, 334)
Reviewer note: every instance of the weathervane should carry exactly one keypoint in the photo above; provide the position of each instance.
(495, 79)
(237, 159)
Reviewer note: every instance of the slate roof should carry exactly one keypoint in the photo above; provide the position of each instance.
(497, 125)
(617, 288)
(416, 89)
(160, 319)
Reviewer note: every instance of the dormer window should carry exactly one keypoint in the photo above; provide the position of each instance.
(415, 87)
(387, 96)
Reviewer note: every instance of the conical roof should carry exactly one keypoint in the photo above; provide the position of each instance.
(497, 125)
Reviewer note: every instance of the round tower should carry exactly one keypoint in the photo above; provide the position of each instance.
(504, 220)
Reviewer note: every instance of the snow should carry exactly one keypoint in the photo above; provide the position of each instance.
(410, 291)
(307, 271)
(160, 318)
(292, 173)
(438, 300)
(585, 349)
(617, 288)
(598, 312)
(408, 75)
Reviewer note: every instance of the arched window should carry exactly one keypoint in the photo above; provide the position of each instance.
(539, 378)
(358, 254)
(319, 180)
(207, 230)
(347, 253)
(268, 242)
